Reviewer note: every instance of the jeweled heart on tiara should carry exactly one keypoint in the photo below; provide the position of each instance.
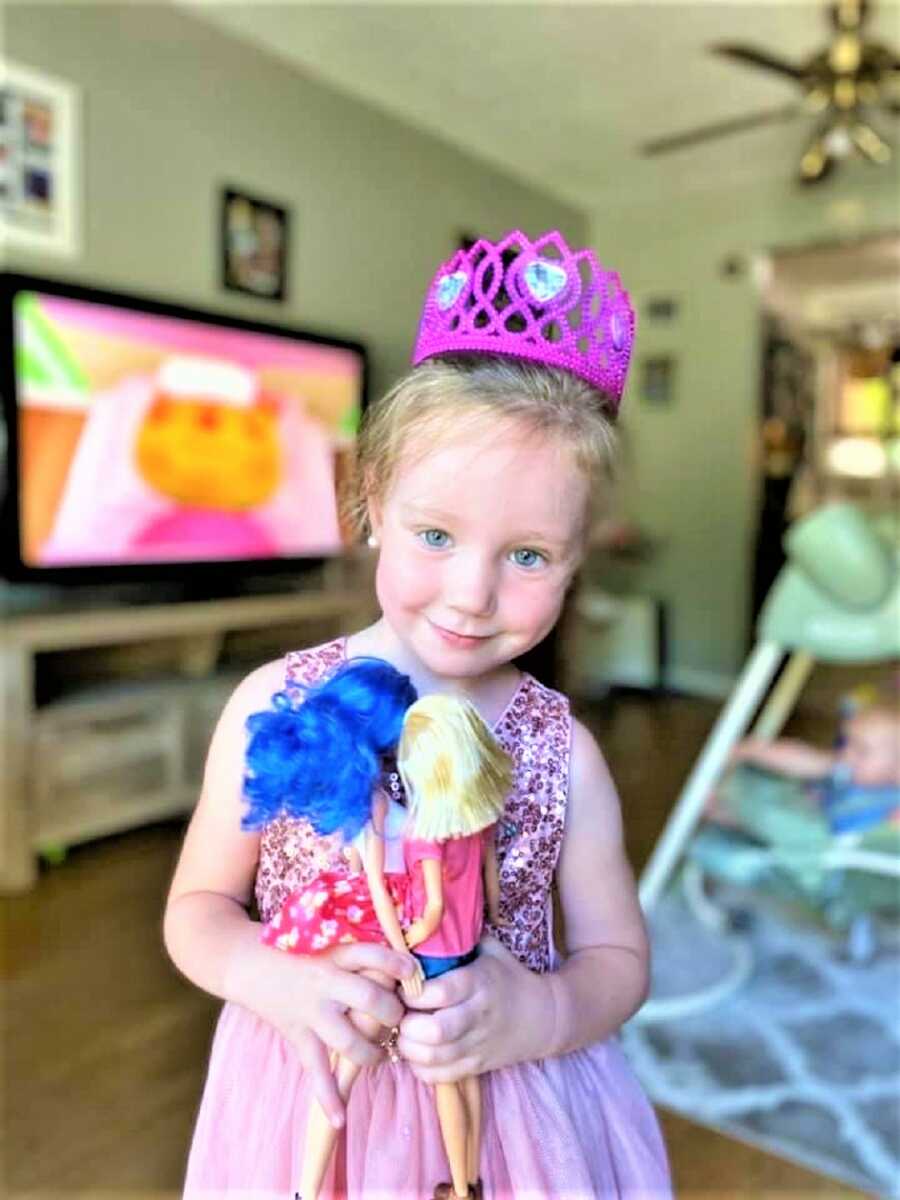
(449, 288)
(544, 280)
(618, 330)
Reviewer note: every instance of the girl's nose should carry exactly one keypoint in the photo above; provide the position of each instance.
(471, 587)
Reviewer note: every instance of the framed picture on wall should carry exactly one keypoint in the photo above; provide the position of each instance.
(254, 238)
(39, 161)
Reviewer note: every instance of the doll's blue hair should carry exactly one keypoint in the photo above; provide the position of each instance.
(318, 755)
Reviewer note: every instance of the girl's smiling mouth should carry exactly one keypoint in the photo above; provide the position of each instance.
(462, 640)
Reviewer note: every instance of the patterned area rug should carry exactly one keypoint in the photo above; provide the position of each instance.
(802, 1058)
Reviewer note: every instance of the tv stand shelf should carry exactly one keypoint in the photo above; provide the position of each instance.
(118, 756)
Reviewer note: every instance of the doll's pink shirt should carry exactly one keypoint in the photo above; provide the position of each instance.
(461, 862)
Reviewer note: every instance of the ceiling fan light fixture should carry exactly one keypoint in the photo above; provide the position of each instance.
(845, 93)
(817, 99)
(845, 54)
(848, 14)
(870, 143)
(814, 161)
(837, 141)
(842, 86)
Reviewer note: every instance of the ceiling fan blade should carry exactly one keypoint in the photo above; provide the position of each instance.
(705, 133)
(757, 58)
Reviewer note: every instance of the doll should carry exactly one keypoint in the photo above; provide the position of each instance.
(457, 778)
(321, 760)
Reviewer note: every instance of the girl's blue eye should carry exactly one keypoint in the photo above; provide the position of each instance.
(527, 558)
(435, 538)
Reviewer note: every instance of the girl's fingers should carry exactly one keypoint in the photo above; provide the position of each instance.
(453, 988)
(370, 956)
(348, 990)
(442, 1054)
(445, 1025)
(343, 1037)
(317, 1066)
(450, 1072)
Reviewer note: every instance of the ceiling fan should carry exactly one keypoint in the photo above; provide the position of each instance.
(844, 85)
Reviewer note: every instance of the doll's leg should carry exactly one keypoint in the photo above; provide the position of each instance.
(471, 1089)
(451, 1111)
(321, 1135)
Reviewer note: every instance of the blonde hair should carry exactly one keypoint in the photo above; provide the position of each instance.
(428, 402)
(456, 775)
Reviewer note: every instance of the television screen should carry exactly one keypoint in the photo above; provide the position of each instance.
(143, 435)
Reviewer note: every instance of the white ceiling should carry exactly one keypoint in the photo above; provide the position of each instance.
(561, 93)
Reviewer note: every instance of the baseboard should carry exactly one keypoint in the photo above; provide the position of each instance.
(708, 684)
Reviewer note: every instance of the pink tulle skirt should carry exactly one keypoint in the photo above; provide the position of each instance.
(576, 1126)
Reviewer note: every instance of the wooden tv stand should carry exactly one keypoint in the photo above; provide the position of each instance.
(116, 756)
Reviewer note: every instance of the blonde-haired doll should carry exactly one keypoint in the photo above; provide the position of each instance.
(457, 778)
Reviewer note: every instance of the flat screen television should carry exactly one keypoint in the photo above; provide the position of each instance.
(147, 440)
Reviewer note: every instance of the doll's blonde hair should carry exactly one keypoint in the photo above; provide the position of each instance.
(456, 775)
(437, 397)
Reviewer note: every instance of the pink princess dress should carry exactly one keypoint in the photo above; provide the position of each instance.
(577, 1126)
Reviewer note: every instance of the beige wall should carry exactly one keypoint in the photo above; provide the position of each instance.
(173, 110)
(693, 482)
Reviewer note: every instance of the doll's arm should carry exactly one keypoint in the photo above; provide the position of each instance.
(384, 907)
(354, 859)
(492, 879)
(381, 900)
(423, 927)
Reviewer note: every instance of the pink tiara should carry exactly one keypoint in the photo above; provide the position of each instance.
(535, 300)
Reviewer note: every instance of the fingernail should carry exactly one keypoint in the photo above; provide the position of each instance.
(337, 1121)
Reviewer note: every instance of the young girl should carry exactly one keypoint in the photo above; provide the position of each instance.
(474, 478)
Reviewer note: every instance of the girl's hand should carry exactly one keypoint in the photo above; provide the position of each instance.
(489, 1014)
(312, 1001)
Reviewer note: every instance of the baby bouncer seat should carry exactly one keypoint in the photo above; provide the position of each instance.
(768, 1030)
(836, 601)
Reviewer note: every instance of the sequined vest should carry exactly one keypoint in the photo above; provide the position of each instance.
(535, 730)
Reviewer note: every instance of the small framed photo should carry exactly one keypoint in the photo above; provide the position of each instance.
(39, 161)
(658, 381)
(254, 235)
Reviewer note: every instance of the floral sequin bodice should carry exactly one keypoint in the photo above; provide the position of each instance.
(535, 730)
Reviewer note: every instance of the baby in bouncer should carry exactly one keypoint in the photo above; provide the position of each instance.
(865, 763)
(786, 806)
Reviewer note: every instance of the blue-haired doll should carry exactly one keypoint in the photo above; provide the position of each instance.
(321, 759)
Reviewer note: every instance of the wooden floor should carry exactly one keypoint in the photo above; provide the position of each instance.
(104, 1046)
